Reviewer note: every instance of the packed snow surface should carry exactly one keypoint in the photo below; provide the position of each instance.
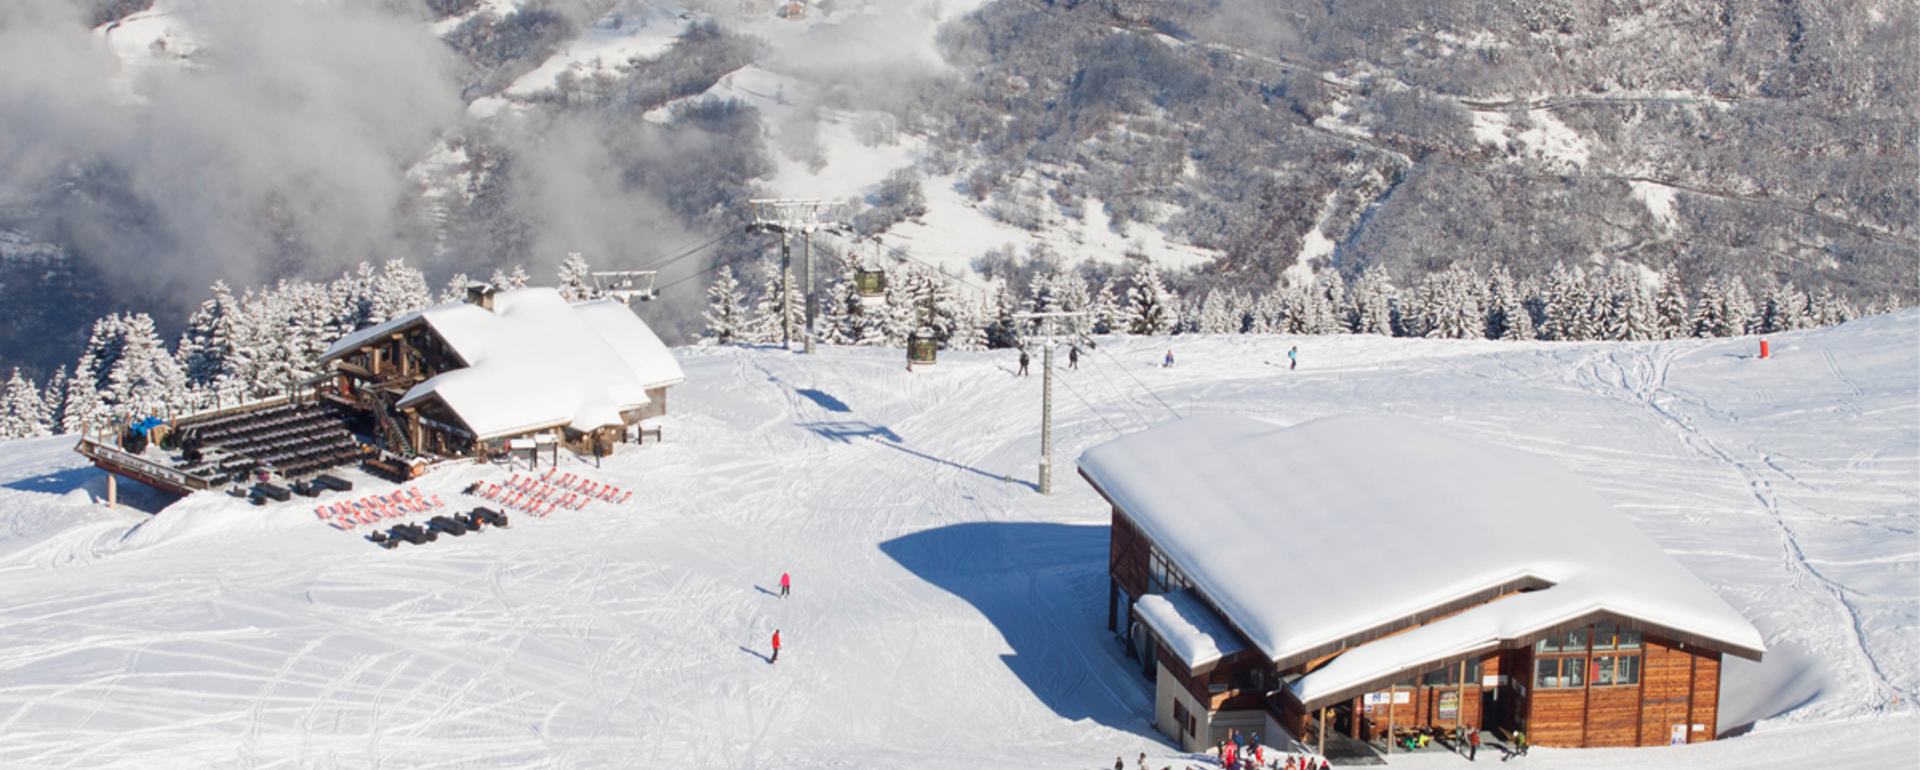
(1222, 494)
(944, 614)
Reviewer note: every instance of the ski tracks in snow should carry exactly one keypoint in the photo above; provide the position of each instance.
(1642, 375)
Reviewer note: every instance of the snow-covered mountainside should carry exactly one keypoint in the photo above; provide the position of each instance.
(164, 144)
(944, 614)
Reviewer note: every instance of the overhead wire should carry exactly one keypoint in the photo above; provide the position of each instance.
(1143, 386)
(1089, 405)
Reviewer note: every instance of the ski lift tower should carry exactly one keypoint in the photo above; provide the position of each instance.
(786, 217)
(1049, 333)
(626, 285)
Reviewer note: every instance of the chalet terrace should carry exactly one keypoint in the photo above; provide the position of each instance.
(1364, 573)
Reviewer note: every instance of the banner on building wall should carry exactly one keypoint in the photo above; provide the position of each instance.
(1449, 706)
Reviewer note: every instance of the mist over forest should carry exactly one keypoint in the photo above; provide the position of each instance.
(1774, 142)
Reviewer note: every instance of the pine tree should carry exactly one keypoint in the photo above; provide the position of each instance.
(1452, 304)
(1739, 310)
(1151, 307)
(83, 410)
(54, 399)
(398, 291)
(22, 415)
(1507, 316)
(575, 280)
(145, 380)
(456, 290)
(839, 309)
(1566, 304)
(206, 346)
(352, 301)
(1268, 313)
(1372, 302)
(1002, 329)
(1787, 309)
(504, 281)
(1108, 317)
(725, 314)
(1670, 307)
(765, 327)
(1341, 316)
(1214, 315)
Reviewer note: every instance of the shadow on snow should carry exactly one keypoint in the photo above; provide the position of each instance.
(1044, 587)
(846, 431)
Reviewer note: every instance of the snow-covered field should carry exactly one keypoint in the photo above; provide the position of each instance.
(944, 614)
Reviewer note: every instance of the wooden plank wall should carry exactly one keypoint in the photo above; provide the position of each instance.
(1127, 556)
(1677, 687)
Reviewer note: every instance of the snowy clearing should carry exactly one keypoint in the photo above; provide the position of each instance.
(944, 615)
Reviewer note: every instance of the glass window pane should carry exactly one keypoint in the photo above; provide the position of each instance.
(1438, 677)
(1628, 672)
(1603, 635)
(1629, 639)
(1549, 644)
(1473, 671)
(1571, 674)
(1576, 641)
(1603, 670)
(1546, 672)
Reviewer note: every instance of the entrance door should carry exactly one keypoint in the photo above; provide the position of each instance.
(1496, 709)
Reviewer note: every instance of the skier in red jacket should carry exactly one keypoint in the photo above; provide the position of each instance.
(776, 647)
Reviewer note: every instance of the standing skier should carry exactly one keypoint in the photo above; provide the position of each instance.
(1169, 363)
(1293, 358)
(786, 584)
(1473, 745)
(776, 648)
(1073, 358)
(1023, 362)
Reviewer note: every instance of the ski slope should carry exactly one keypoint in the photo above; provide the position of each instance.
(944, 614)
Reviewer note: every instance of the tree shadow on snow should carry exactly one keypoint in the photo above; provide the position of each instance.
(1044, 587)
(825, 401)
(131, 494)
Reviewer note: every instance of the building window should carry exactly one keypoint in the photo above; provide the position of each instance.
(1571, 641)
(1616, 670)
(1551, 673)
(1450, 676)
(1607, 636)
(1162, 576)
(1179, 714)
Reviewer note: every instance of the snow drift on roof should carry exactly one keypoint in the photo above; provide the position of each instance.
(536, 362)
(1307, 535)
(1189, 628)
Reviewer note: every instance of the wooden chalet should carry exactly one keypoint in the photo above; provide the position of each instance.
(493, 373)
(1364, 575)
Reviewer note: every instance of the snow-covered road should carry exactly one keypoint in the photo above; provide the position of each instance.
(944, 615)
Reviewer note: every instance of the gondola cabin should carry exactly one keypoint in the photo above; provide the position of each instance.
(1367, 576)
(465, 378)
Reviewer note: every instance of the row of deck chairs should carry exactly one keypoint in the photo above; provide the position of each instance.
(544, 494)
(585, 486)
(374, 509)
(456, 525)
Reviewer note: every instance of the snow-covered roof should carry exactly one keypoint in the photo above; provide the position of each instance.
(1190, 629)
(1338, 529)
(536, 361)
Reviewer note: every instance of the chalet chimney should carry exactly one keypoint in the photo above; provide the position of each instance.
(480, 294)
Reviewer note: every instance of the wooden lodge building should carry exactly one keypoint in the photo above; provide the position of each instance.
(1367, 574)
(492, 373)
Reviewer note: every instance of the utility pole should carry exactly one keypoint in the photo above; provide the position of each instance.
(786, 217)
(1048, 338)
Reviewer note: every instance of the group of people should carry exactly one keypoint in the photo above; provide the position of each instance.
(786, 587)
(1073, 360)
(1240, 752)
